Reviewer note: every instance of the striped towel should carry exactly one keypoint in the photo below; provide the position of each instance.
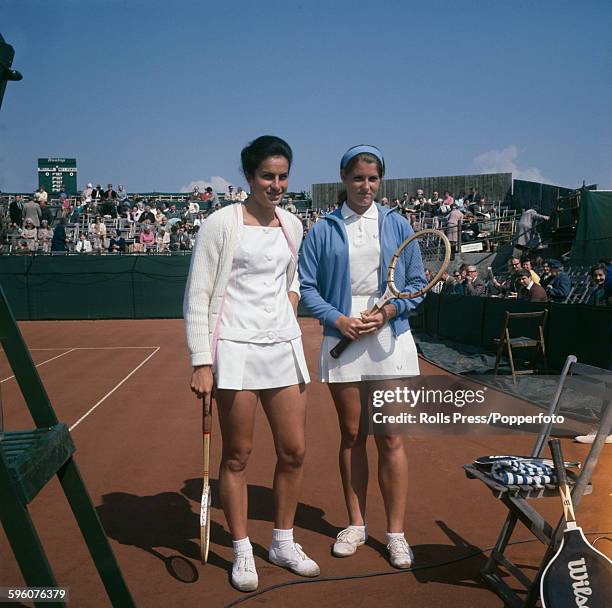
(523, 473)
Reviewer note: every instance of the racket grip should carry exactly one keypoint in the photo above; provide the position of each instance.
(340, 347)
(557, 456)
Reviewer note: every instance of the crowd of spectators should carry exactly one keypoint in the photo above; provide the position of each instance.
(107, 220)
(534, 281)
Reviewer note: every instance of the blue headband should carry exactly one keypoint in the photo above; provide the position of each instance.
(355, 150)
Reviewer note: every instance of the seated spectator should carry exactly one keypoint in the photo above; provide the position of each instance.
(414, 223)
(199, 220)
(449, 282)
(526, 264)
(596, 295)
(213, 201)
(147, 236)
(547, 276)
(122, 196)
(474, 286)
(165, 209)
(510, 287)
(195, 194)
(30, 235)
(193, 234)
(174, 213)
(97, 196)
(98, 234)
(290, 206)
(44, 236)
(435, 198)
(241, 195)
(230, 196)
(530, 290)
(86, 195)
(147, 216)
(194, 207)
(458, 283)
(179, 241)
(117, 243)
(83, 245)
(65, 206)
(41, 196)
(560, 286)
(448, 199)
(162, 238)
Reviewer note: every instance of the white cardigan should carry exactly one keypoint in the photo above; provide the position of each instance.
(209, 272)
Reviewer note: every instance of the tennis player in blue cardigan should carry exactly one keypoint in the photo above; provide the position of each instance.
(342, 273)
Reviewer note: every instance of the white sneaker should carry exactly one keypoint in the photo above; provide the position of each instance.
(590, 438)
(347, 541)
(244, 575)
(295, 560)
(400, 553)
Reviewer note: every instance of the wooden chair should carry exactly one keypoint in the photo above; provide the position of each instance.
(584, 380)
(510, 343)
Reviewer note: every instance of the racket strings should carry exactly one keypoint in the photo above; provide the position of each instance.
(418, 264)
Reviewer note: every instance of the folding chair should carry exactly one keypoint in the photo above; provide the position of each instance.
(586, 380)
(510, 343)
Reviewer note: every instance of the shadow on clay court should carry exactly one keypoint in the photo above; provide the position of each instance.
(167, 525)
(464, 573)
(261, 508)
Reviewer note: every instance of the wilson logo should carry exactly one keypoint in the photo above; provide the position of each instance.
(582, 586)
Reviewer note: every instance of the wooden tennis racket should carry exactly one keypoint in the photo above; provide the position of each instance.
(205, 502)
(578, 574)
(425, 250)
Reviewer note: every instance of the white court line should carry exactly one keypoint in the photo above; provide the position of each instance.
(114, 389)
(92, 347)
(47, 361)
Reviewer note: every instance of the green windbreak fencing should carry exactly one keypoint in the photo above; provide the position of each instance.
(122, 287)
(584, 331)
(593, 240)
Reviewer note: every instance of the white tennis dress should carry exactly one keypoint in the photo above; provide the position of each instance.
(259, 343)
(374, 356)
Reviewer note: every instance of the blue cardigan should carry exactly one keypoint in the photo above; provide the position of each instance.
(324, 270)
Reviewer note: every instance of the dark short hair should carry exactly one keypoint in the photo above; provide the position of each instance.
(261, 148)
(523, 273)
(599, 266)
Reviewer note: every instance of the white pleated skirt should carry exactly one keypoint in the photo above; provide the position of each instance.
(376, 356)
(251, 366)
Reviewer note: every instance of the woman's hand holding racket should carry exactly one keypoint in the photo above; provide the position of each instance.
(202, 381)
(427, 249)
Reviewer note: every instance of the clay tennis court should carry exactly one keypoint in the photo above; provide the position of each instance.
(122, 388)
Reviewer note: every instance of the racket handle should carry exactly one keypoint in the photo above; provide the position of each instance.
(340, 347)
(557, 456)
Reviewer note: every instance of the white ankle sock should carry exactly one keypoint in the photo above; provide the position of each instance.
(392, 535)
(282, 539)
(362, 529)
(242, 546)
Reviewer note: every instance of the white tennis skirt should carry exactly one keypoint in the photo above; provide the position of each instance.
(373, 357)
(248, 366)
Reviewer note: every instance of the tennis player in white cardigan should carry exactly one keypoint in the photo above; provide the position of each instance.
(240, 313)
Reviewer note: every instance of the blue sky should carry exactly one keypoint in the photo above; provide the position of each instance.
(158, 95)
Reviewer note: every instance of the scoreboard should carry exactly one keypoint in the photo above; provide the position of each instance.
(54, 174)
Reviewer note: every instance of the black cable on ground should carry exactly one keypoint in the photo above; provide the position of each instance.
(327, 579)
